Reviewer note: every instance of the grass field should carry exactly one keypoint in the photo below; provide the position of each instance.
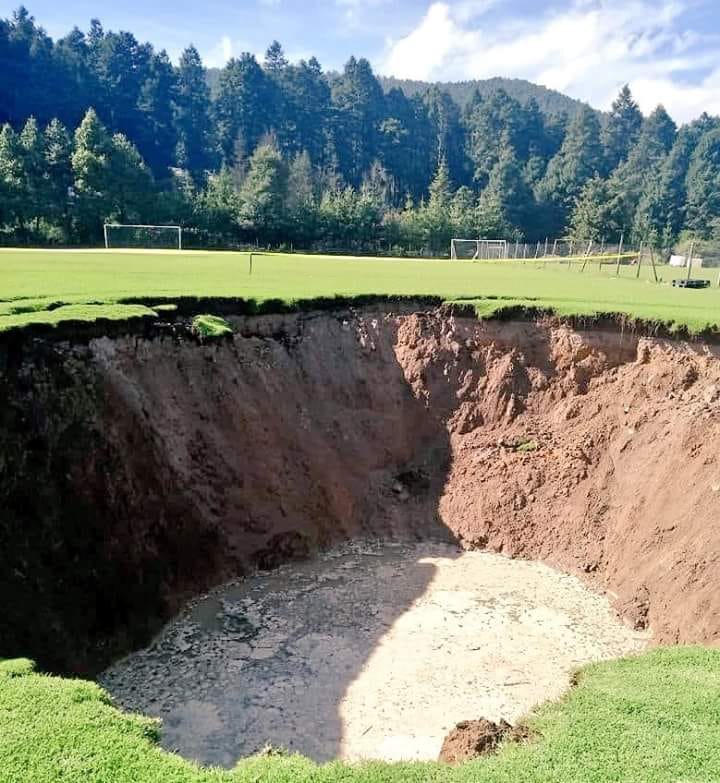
(52, 286)
(649, 719)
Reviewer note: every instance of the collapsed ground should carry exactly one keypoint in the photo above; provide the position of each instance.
(141, 469)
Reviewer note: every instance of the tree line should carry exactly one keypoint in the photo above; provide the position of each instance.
(100, 127)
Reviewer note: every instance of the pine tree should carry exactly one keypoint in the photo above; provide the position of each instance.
(242, 105)
(131, 186)
(58, 165)
(634, 177)
(621, 129)
(579, 159)
(12, 178)
(594, 216)
(305, 120)
(495, 123)
(445, 122)
(435, 215)
(218, 205)
(275, 60)
(301, 204)
(358, 102)
(35, 192)
(262, 196)
(91, 164)
(507, 187)
(703, 187)
(192, 116)
(157, 136)
(463, 213)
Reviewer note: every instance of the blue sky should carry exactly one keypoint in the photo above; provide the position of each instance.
(668, 50)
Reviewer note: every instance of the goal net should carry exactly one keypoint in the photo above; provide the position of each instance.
(478, 249)
(119, 235)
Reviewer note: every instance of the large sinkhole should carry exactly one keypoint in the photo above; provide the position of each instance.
(418, 518)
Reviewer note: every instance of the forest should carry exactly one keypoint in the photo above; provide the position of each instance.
(98, 126)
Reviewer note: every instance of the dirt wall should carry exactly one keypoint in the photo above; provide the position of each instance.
(138, 470)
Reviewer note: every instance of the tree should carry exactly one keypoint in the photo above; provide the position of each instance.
(121, 65)
(192, 116)
(111, 180)
(444, 117)
(463, 217)
(275, 60)
(218, 205)
(262, 196)
(92, 175)
(131, 186)
(507, 188)
(594, 216)
(703, 186)
(157, 136)
(579, 159)
(621, 130)
(408, 144)
(242, 106)
(634, 177)
(305, 111)
(358, 103)
(35, 194)
(435, 215)
(11, 178)
(494, 124)
(301, 203)
(58, 165)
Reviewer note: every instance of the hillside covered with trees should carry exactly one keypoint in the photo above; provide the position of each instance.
(99, 126)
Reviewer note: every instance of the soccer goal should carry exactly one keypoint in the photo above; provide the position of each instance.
(122, 235)
(478, 249)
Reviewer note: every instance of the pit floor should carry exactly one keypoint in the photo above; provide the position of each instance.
(368, 651)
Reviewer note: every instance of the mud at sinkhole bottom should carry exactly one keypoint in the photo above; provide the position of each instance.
(369, 650)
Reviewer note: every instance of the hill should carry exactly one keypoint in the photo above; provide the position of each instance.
(550, 101)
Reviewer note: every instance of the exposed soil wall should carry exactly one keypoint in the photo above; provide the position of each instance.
(137, 470)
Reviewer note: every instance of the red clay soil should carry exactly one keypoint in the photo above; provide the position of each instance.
(140, 470)
(624, 485)
(471, 739)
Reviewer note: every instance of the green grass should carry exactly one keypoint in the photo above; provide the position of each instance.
(654, 718)
(32, 280)
(210, 327)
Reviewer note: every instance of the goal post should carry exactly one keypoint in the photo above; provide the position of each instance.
(478, 249)
(128, 235)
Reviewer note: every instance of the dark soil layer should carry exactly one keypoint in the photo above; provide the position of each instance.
(136, 471)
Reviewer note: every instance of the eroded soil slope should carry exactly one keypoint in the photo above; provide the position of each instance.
(138, 470)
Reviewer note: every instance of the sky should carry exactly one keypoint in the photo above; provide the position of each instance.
(667, 50)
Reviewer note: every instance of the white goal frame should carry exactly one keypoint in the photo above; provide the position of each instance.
(107, 226)
(482, 248)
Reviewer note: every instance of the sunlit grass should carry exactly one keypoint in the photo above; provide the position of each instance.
(32, 280)
(653, 718)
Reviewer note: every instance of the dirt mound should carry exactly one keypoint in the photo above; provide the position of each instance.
(136, 471)
(473, 738)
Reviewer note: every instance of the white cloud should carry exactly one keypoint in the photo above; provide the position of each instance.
(220, 53)
(587, 50)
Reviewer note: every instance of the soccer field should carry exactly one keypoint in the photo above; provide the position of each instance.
(48, 286)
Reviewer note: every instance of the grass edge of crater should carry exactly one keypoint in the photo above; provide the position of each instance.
(37, 284)
(652, 717)
(135, 309)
